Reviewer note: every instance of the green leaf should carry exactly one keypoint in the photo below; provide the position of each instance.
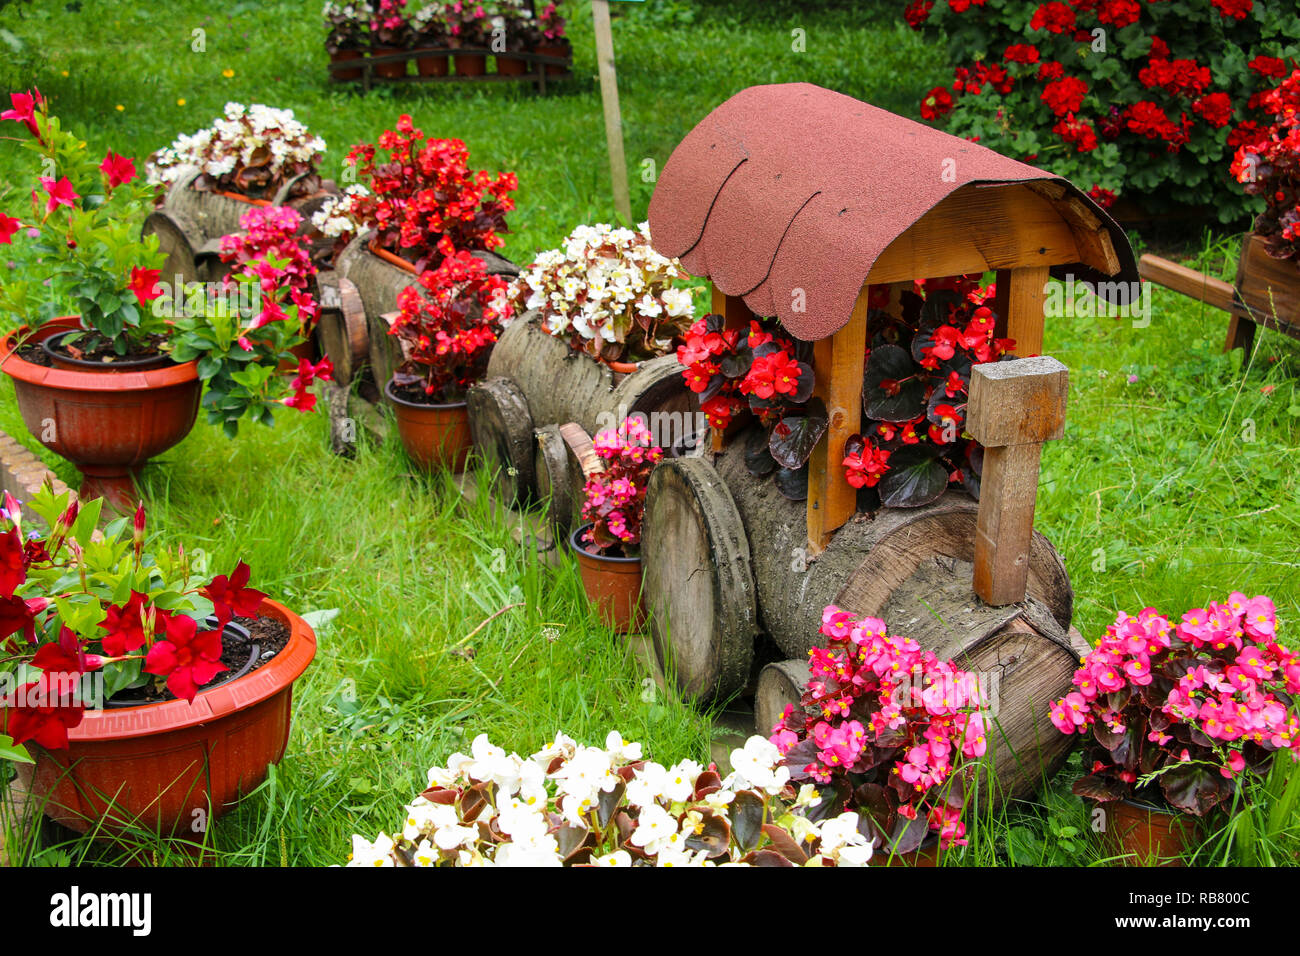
(12, 751)
(86, 521)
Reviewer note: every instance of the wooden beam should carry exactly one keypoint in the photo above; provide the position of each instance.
(1025, 295)
(980, 228)
(613, 116)
(1014, 407)
(1213, 292)
(838, 363)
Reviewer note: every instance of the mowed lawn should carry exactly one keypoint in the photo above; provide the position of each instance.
(1176, 481)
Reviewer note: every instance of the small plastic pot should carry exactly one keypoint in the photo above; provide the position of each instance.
(511, 65)
(431, 61)
(471, 64)
(342, 56)
(434, 436)
(613, 585)
(391, 71)
(1146, 835)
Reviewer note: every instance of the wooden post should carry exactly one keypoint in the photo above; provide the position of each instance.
(838, 364)
(1023, 302)
(1014, 407)
(613, 117)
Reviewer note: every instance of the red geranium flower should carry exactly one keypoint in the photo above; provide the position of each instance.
(1051, 70)
(1078, 132)
(1054, 17)
(1216, 108)
(1233, 9)
(188, 657)
(937, 103)
(1270, 66)
(1064, 96)
(917, 12)
(1021, 53)
(1118, 13)
(231, 595)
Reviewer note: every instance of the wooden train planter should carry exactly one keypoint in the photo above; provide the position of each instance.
(190, 223)
(1266, 292)
(536, 383)
(794, 201)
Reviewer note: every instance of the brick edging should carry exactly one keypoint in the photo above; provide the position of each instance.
(22, 473)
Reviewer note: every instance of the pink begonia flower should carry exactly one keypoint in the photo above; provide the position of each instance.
(1259, 618)
(1236, 764)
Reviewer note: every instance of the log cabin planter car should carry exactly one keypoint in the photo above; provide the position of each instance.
(214, 175)
(755, 198)
(613, 310)
(121, 381)
(194, 701)
(1267, 288)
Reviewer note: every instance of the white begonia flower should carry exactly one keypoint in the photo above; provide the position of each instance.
(653, 827)
(532, 784)
(452, 837)
(514, 854)
(677, 302)
(562, 746)
(425, 854)
(440, 777)
(673, 856)
(808, 796)
(859, 855)
(620, 749)
(365, 853)
(753, 766)
(492, 765)
(423, 817)
(839, 832)
(679, 781)
(803, 830)
(617, 858)
(647, 786)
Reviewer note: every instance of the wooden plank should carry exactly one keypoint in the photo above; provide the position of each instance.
(1014, 407)
(838, 366)
(976, 229)
(613, 117)
(1025, 296)
(1189, 282)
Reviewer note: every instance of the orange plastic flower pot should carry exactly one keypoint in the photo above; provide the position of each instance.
(391, 258)
(392, 70)
(340, 56)
(613, 585)
(429, 63)
(470, 64)
(511, 65)
(106, 422)
(171, 766)
(434, 436)
(1145, 835)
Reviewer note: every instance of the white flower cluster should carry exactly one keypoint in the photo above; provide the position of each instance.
(256, 135)
(530, 801)
(360, 12)
(600, 281)
(335, 217)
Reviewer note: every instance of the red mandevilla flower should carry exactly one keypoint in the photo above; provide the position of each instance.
(188, 657)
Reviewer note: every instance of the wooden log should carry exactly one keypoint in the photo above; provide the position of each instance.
(503, 434)
(698, 582)
(341, 332)
(379, 282)
(174, 242)
(911, 567)
(779, 684)
(561, 385)
(555, 481)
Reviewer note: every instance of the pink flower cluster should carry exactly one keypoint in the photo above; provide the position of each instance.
(1215, 688)
(881, 712)
(271, 233)
(615, 502)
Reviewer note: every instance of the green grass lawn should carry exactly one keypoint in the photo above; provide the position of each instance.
(1176, 482)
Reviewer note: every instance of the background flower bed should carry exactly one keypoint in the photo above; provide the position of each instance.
(1143, 98)
(1167, 485)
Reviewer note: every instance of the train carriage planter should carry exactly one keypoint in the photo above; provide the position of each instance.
(536, 382)
(190, 223)
(794, 201)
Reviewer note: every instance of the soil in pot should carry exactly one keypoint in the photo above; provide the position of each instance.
(612, 582)
(435, 435)
(59, 352)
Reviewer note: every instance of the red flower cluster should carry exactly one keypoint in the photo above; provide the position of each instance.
(936, 103)
(1267, 164)
(1053, 17)
(1064, 96)
(426, 202)
(615, 502)
(1077, 132)
(974, 80)
(1234, 9)
(887, 729)
(272, 232)
(449, 331)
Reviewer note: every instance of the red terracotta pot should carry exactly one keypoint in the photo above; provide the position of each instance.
(434, 436)
(155, 765)
(391, 258)
(1146, 835)
(558, 50)
(471, 64)
(393, 70)
(108, 423)
(431, 65)
(511, 65)
(342, 56)
(612, 584)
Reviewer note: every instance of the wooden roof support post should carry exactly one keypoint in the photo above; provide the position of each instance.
(838, 365)
(1023, 302)
(1014, 407)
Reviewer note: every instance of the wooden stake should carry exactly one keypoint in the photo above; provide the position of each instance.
(1024, 305)
(1014, 407)
(838, 363)
(613, 117)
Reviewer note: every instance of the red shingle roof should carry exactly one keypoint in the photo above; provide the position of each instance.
(792, 186)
